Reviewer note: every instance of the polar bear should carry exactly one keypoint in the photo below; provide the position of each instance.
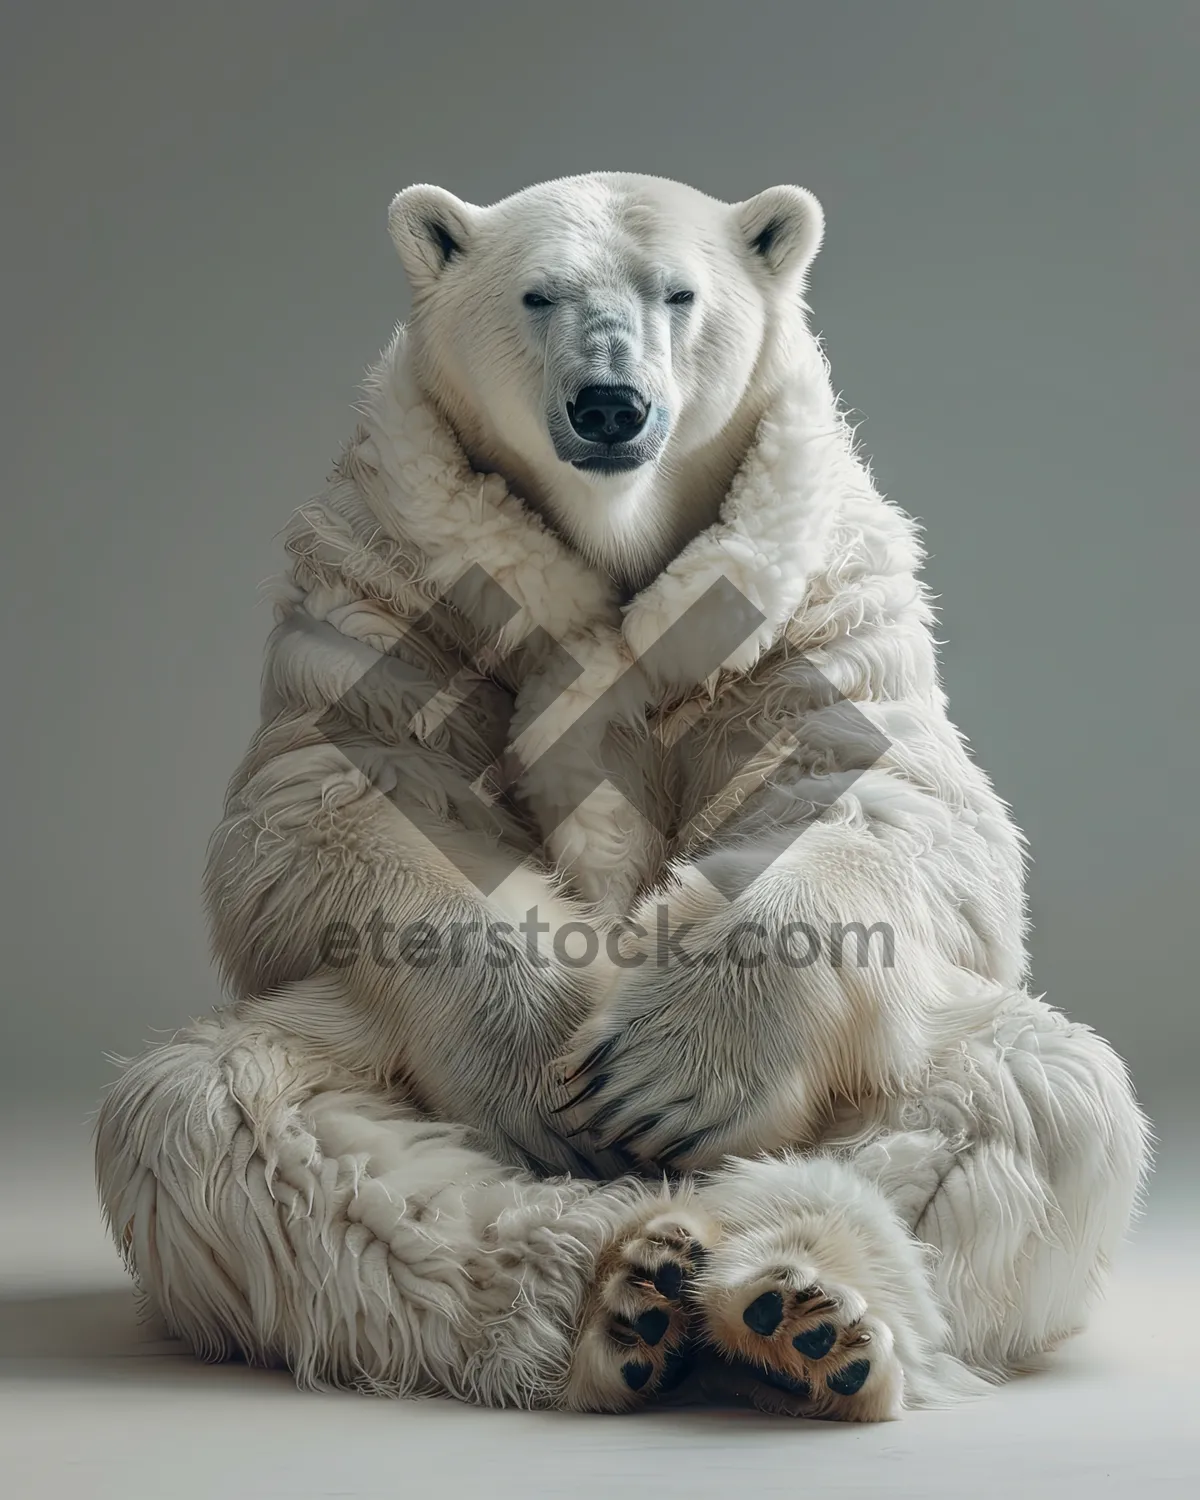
(600, 716)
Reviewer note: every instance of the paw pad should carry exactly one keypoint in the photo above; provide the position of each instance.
(668, 1280)
(815, 1343)
(804, 1337)
(651, 1326)
(850, 1380)
(636, 1332)
(764, 1314)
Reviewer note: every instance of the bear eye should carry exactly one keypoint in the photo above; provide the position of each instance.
(535, 299)
(680, 299)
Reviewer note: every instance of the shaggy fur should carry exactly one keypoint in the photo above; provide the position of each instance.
(889, 1176)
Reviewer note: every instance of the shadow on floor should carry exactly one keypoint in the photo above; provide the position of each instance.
(98, 1324)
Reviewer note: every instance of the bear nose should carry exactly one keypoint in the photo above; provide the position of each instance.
(608, 413)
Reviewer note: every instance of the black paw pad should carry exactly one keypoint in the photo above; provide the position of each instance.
(782, 1382)
(668, 1280)
(764, 1314)
(815, 1343)
(651, 1326)
(635, 1375)
(846, 1382)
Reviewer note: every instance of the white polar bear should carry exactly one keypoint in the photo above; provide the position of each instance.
(648, 667)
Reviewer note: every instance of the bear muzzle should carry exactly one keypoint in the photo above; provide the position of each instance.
(609, 429)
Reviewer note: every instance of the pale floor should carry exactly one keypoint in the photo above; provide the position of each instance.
(92, 1405)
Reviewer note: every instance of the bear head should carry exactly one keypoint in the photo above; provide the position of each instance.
(598, 339)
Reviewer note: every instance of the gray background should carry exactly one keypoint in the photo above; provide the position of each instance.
(196, 272)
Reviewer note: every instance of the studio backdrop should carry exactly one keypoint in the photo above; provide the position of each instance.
(197, 272)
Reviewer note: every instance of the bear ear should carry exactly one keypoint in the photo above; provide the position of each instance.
(429, 227)
(783, 228)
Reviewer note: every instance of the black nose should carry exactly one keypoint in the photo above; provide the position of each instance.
(608, 413)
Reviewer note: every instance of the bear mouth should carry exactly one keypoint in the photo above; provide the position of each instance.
(609, 463)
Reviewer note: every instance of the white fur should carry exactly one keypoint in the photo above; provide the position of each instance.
(361, 1171)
